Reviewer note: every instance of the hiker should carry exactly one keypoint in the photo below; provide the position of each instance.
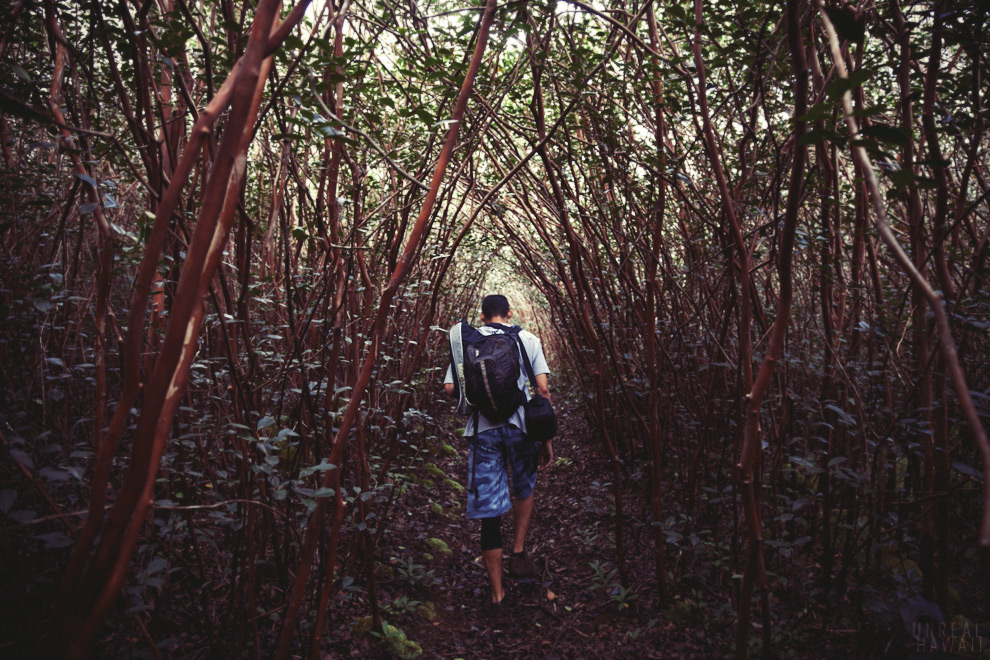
(494, 444)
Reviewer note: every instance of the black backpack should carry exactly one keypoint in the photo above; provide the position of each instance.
(486, 371)
(486, 377)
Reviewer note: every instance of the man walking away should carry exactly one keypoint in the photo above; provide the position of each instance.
(493, 445)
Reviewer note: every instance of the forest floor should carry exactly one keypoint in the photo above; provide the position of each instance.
(431, 585)
(577, 608)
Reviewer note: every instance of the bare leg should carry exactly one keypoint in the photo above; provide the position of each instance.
(522, 511)
(493, 564)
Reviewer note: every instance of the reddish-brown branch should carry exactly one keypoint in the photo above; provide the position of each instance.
(652, 292)
(331, 478)
(934, 300)
(92, 581)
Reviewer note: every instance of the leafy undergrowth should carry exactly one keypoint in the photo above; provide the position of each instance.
(431, 585)
(432, 601)
(577, 608)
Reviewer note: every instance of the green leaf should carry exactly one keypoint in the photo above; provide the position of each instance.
(805, 463)
(934, 162)
(819, 135)
(962, 468)
(54, 540)
(22, 457)
(845, 417)
(21, 72)
(293, 42)
(840, 86)
(858, 77)
(902, 178)
(156, 565)
(871, 111)
(328, 131)
(816, 112)
(887, 134)
(846, 25)
(51, 474)
(88, 179)
(7, 498)
(265, 422)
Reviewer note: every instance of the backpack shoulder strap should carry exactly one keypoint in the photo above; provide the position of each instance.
(525, 357)
(460, 335)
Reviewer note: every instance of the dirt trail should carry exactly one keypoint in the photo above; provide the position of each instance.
(572, 611)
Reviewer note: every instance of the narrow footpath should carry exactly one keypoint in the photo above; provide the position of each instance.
(433, 587)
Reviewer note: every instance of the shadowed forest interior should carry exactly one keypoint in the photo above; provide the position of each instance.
(752, 238)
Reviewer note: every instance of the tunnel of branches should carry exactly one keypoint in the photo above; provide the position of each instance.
(752, 238)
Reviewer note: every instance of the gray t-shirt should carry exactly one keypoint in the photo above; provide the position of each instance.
(534, 349)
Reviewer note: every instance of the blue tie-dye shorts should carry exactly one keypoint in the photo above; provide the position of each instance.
(488, 487)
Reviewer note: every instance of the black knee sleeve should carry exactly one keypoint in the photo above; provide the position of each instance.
(491, 533)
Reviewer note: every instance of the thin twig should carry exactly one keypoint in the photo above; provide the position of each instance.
(217, 505)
